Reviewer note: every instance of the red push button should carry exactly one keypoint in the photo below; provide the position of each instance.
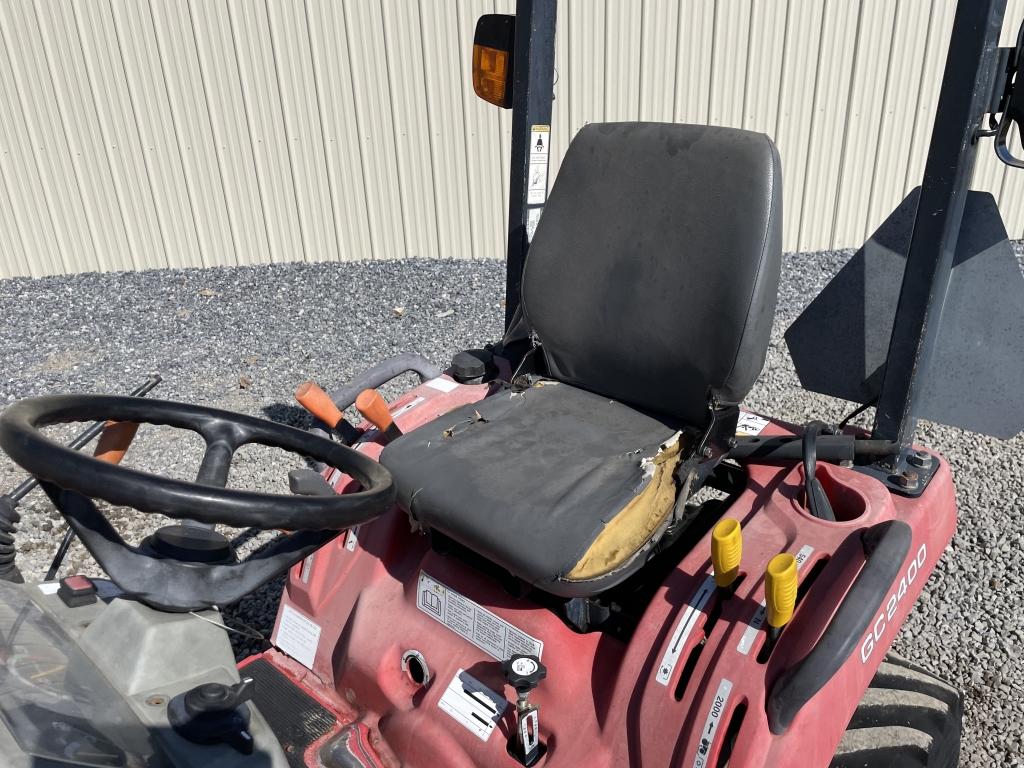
(76, 591)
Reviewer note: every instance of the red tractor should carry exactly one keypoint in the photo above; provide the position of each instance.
(571, 546)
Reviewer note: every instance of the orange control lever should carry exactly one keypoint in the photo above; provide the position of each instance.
(319, 403)
(114, 440)
(375, 410)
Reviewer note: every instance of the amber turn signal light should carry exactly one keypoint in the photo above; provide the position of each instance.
(490, 75)
(493, 43)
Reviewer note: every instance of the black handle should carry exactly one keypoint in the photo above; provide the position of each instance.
(831, 448)
(885, 546)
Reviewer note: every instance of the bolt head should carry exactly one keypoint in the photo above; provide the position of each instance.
(920, 459)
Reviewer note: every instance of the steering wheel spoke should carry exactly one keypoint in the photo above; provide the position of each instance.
(222, 440)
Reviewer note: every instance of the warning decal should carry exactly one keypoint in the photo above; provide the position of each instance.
(473, 705)
(683, 629)
(750, 424)
(707, 736)
(298, 636)
(537, 175)
(473, 622)
(532, 220)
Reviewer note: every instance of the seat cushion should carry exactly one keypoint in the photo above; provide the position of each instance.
(563, 488)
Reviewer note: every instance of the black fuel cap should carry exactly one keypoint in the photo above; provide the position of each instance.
(523, 672)
(470, 364)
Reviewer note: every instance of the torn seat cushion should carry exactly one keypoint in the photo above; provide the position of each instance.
(564, 488)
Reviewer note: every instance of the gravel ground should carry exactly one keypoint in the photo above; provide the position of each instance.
(243, 338)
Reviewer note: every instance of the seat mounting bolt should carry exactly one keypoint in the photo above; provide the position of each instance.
(920, 459)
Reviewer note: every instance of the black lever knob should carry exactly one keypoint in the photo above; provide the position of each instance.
(523, 672)
(214, 713)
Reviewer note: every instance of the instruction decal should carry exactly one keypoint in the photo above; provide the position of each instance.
(757, 621)
(407, 407)
(532, 220)
(442, 385)
(715, 714)
(298, 636)
(473, 705)
(537, 175)
(473, 622)
(750, 424)
(683, 629)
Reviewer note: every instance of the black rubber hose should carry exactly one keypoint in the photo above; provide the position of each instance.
(9, 519)
(817, 500)
(382, 373)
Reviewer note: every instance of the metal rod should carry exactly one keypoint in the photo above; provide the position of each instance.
(963, 101)
(532, 94)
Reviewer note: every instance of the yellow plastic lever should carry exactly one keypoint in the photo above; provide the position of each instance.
(726, 551)
(780, 589)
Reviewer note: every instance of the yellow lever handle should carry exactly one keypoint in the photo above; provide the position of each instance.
(780, 589)
(726, 551)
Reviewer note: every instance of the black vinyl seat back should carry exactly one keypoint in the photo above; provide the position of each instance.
(653, 274)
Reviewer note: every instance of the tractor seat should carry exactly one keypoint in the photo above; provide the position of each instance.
(650, 284)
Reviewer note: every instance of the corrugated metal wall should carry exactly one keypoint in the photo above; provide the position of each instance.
(154, 133)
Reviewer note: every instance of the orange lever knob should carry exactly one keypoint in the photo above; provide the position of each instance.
(374, 409)
(319, 403)
(114, 440)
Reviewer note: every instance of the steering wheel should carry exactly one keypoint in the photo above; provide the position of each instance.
(72, 479)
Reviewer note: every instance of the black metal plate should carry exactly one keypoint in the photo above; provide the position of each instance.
(840, 341)
(296, 718)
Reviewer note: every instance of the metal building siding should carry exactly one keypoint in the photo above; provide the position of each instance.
(153, 133)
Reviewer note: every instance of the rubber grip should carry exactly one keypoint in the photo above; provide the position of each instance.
(780, 589)
(374, 409)
(726, 551)
(319, 403)
(114, 440)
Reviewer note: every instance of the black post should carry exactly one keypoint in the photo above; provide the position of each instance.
(532, 93)
(963, 101)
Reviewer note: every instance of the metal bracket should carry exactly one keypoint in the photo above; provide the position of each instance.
(1006, 101)
(910, 475)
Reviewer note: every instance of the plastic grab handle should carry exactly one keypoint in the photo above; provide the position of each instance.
(114, 440)
(319, 403)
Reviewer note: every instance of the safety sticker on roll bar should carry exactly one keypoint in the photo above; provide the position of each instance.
(715, 714)
(757, 621)
(683, 629)
(473, 622)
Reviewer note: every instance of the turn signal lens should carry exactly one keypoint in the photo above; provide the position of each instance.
(780, 589)
(490, 75)
(726, 551)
